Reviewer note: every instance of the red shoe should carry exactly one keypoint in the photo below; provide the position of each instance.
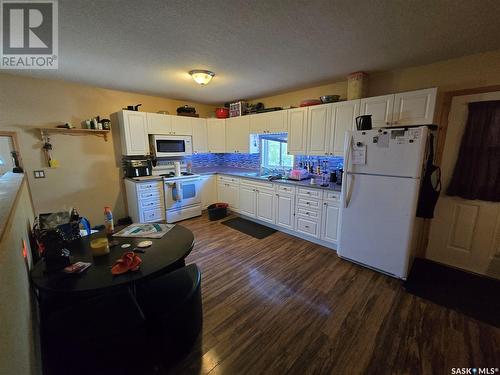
(128, 262)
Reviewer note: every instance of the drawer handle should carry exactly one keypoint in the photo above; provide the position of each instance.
(307, 213)
(308, 203)
(308, 192)
(307, 226)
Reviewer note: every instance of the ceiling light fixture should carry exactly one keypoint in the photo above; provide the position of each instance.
(202, 77)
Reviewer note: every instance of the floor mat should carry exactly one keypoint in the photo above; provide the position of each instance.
(249, 227)
(470, 294)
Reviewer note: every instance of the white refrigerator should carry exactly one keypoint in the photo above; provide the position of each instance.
(380, 189)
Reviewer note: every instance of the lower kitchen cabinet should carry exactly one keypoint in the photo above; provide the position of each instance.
(248, 200)
(145, 201)
(228, 191)
(284, 208)
(265, 204)
(330, 220)
(208, 189)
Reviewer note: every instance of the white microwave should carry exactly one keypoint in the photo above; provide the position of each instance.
(171, 145)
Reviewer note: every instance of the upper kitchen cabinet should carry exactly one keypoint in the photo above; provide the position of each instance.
(133, 132)
(414, 107)
(380, 107)
(269, 122)
(216, 135)
(238, 135)
(181, 125)
(297, 131)
(200, 141)
(319, 128)
(159, 123)
(168, 125)
(343, 119)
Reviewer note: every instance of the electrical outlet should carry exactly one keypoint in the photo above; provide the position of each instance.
(39, 174)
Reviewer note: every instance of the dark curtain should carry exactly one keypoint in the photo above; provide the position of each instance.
(477, 171)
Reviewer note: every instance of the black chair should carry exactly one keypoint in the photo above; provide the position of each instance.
(173, 309)
(100, 335)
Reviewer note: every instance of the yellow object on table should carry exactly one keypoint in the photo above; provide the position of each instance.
(99, 246)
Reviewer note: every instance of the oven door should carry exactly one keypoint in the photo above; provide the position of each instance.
(168, 146)
(182, 193)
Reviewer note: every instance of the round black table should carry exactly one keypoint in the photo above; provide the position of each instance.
(164, 255)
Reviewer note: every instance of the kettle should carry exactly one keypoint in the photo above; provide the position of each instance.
(364, 122)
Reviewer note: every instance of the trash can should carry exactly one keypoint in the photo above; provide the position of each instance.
(217, 211)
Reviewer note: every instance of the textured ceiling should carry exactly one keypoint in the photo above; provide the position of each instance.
(258, 47)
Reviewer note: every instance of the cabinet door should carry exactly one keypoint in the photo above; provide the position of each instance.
(208, 191)
(216, 136)
(380, 107)
(238, 134)
(222, 192)
(248, 200)
(258, 123)
(159, 124)
(233, 197)
(297, 131)
(277, 122)
(284, 210)
(343, 119)
(330, 228)
(134, 133)
(181, 125)
(319, 126)
(265, 205)
(414, 107)
(200, 142)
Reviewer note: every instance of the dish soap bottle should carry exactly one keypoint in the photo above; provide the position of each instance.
(108, 220)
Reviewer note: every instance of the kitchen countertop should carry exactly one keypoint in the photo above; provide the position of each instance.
(243, 173)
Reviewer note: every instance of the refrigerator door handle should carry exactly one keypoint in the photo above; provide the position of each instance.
(347, 195)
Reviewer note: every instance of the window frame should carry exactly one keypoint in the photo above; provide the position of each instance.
(265, 154)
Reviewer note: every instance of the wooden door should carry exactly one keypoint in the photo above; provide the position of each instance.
(134, 133)
(343, 119)
(265, 204)
(380, 107)
(248, 199)
(297, 131)
(330, 228)
(277, 122)
(181, 125)
(216, 136)
(284, 208)
(319, 126)
(200, 135)
(159, 123)
(464, 233)
(414, 107)
(238, 134)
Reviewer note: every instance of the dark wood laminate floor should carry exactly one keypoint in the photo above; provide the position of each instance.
(283, 305)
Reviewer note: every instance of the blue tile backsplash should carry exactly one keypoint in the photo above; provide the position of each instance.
(252, 161)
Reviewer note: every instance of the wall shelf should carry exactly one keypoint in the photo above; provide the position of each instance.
(75, 131)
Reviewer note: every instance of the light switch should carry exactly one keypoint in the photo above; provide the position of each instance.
(39, 174)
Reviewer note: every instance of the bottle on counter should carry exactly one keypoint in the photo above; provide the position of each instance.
(108, 220)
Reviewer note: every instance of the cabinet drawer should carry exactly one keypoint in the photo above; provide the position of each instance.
(309, 227)
(285, 189)
(149, 194)
(234, 180)
(307, 213)
(331, 196)
(149, 186)
(308, 203)
(150, 203)
(154, 214)
(313, 193)
(258, 185)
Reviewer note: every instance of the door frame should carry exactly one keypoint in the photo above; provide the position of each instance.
(15, 144)
(442, 119)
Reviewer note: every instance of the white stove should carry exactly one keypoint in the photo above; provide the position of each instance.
(182, 193)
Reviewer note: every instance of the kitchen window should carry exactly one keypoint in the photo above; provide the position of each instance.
(274, 154)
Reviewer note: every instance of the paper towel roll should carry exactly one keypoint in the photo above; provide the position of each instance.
(177, 165)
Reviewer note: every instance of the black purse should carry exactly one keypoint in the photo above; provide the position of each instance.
(429, 191)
